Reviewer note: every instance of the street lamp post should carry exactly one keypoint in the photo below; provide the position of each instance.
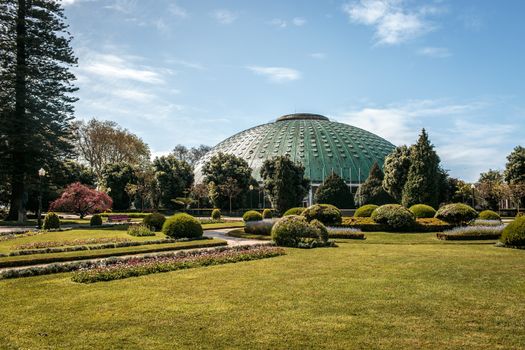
(473, 187)
(41, 174)
(251, 196)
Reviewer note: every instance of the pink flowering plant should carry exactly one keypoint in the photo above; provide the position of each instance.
(81, 199)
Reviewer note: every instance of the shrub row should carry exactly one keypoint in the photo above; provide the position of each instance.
(140, 231)
(472, 233)
(263, 227)
(345, 233)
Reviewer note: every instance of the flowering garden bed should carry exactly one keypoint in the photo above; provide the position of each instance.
(472, 233)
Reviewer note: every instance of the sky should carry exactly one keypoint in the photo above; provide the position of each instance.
(197, 71)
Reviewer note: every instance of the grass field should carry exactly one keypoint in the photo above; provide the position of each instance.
(389, 291)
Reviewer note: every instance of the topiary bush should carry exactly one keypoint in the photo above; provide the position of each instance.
(395, 216)
(216, 214)
(294, 211)
(290, 230)
(182, 226)
(514, 233)
(51, 221)
(326, 213)
(252, 215)
(96, 220)
(422, 211)
(154, 221)
(456, 213)
(267, 214)
(489, 215)
(322, 231)
(365, 211)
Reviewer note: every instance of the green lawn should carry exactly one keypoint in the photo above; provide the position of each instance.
(416, 293)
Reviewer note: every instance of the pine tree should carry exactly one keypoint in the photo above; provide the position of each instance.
(284, 182)
(422, 185)
(334, 191)
(372, 191)
(515, 167)
(36, 106)
(396, 169)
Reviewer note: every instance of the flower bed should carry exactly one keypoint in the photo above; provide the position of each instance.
(139, 266)
(469, 233)
(345, 233)
(75, 242)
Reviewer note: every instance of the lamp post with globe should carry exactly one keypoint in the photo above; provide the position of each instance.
(41, 174)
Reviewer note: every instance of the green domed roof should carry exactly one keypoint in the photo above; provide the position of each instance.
(321, 145)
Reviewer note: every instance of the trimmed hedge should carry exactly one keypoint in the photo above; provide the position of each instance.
(261, 227)
(489, 215)
(365, 211)
(252, 215)
(267, 214)
(154, 221)
(182, 226)
(395, 216)
(295, 231)
(96, 220)
(216, 214)
(369, 225)
(326, 213)
(422, 211)
(51, 221)
(514, 234)
(456, 213)
(294, 211)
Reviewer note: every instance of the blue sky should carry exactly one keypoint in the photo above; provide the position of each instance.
(195, 72)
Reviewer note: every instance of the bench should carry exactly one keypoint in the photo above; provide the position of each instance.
(118, 218)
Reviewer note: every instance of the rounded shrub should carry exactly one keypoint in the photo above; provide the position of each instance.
(422, 211)
(290, 230)
(96, 220)
(51, 221)
(395, 216)
(267, 214)
(216, 214)
(322, 231)
(514, 233)
(489, 215)
(456, 213)
(294, 211)
(154, 221)
(365, 211)
(182, 226)
(326, 213)
(252, 215)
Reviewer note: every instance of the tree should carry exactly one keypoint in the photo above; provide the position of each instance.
(422, 185)
(284, 183)
(231, 189)
(372, 191)
(221, 167)
(80, 199)
(200, 193)
(191, 155)
(396, 167)
(488, 188)
(174, 177)
(115, 179)
(334, 191)
(36, 106)
(517, 193)
(100, 143)
(515, 167)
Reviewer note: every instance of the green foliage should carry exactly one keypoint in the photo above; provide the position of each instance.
(294, 211)
(365, 211)
(116, 177)
(396, 167)
(422, 184)
(515, 167)
(182, 226)
(252, 215)
(216, 214)
(284, 182)
(394, 216)
(51, 221)
(96, 220)
(173, 176)
(489, 215)
(372, 191)
(267, 214)
(321, 229)
(154, 221)
(335, 191)
(223, 169)
(290, 230)
(422, 211)
(325, 213)
(140, 230)
(456, 213)
(514, 233)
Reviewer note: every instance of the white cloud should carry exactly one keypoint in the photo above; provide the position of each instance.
(393, 22)
(67, 2)
(133, 95)
(187, 64)
(177, 11)
(280, 23)
(318, 55)
(435, 52)
(124, 6)
(224, 16)
(277, 74)
(298, 21)
(113, 66)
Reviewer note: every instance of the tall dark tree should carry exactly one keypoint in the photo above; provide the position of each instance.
(515, 167)
(116, 178)
(396, 169)
(174, 177)
(422, 185)
(372, 191)
(36, 106)
(284, 182)
(335, 191)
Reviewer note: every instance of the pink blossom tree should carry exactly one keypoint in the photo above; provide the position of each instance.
(80, 199)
